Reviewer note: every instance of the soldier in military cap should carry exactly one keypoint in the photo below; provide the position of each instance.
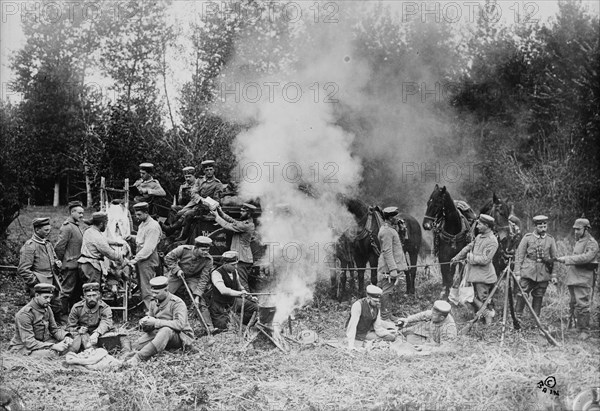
(430, 327)
(68, 250)
(243, 231)
(227, 291)
(392, 260)
(192, 264)
(365, 323)
(95, 247)
(36, 332)
(89, 319)
(38, 262)
(208, 186)
(165, 326)
(480, 271)
(147, 186)
(534, 264)
(581, 267)
(185, 190)
(146, 257)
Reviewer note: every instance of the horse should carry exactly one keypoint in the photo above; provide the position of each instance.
(451, 232)
(508, 233)
(359, 245)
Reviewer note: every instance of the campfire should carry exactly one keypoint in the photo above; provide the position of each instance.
(266, 326)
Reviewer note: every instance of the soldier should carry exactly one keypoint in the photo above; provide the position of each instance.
(94, 248)
(580, 274)
(365, 323)
(392, 260)
(534, 264)
(148, 187)
(146, 257)
(38, 261)
(226, 292)
(480, 271)
(208, 186)
(243, 230)
(431, 327)
(89, 319)
(165, 326)
(185, 190)
(36, 332)
(194, 265)
(68, 250)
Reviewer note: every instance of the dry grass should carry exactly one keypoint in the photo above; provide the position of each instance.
(477, 374)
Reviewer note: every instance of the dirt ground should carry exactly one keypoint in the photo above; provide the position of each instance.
(477, 373)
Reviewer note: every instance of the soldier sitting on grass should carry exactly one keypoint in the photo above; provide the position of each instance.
(432, 327)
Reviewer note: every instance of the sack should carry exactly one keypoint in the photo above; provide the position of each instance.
(462, 294)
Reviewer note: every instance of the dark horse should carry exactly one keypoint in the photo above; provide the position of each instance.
(451, 232)
(509, 234)
(359, 245)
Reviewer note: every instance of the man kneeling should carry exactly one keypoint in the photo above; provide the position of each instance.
(36, 332)
(165, 326)
(431, 327)
(365, 323)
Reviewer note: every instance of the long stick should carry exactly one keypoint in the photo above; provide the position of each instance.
(196, 306)
(467, 327)
(260, 328)
(242, 317)
(550, 339)
(260, 293)
(410, 266)
(505, 313)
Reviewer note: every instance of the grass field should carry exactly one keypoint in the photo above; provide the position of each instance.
(476, 374)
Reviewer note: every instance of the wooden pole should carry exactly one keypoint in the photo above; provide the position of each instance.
(467, 327)
(242, 316)
(505, 313)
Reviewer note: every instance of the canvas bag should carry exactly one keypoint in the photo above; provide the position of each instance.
(462, 292)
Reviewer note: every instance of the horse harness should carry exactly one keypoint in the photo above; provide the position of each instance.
(439, 234)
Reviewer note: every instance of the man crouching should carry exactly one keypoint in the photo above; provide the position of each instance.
(432, 327)
(165, 326)
(36, 332)
(365, 323)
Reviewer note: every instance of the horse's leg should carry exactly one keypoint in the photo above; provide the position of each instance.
(342, 282)
(360, 264)
(412, 273)
(373, 267)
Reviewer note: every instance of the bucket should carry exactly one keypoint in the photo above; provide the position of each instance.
(266, 314)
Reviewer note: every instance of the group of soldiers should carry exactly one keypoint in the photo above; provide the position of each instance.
(371, 318)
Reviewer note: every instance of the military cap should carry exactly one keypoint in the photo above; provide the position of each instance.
(486, 219)
(99, 216)
(203, 241)
(43, 288)
(143, 206)
(390, 211)
(514, 219)
(540, 219)
(374, 291)
(91, 287)
(159, 282)
(74, 204)
(230, 256)
(248, 206)
(442, 306)
(117, 201)
(208, 163)
(189, 170)
(149, 167)
(582, 223)
(40, 222)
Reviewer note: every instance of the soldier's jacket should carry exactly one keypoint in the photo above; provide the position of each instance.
(534, 257)
(154, 189)
(182, 258)
(392, 255)
(147, 239)
(37, 261)
(442, 332)
(68, 246)
(98, 319)
(204, 188)
(172, 313)
(579, 273)
(35, 329)
(185, 193)
(95, 247)
(242, 236)
(479, 266)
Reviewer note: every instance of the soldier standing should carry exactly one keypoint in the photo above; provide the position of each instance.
(38, 262)
(68, 250)
(580, 274)
(534, 264)
(147, 186)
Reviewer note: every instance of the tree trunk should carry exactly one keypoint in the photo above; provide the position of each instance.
(55, 203)
(88, 185)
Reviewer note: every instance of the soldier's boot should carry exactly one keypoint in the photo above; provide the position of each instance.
(537, 305)
(519, 306)
(361, 284)
(583, 326)
(386, 308)
(147, 351)
(185, 233)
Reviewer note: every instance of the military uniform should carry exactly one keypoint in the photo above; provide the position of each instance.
(147, 239)
(151, 188)
(580, 273)
(392, 257)
(185, 193)
(97, 319)
(171, 327)
(365, 323)
(36, 331)
(534, 263)
(226, 279)
(68, 250)
(427, 331)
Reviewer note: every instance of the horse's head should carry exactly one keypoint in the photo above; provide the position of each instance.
(435, 207)
(500, 210)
